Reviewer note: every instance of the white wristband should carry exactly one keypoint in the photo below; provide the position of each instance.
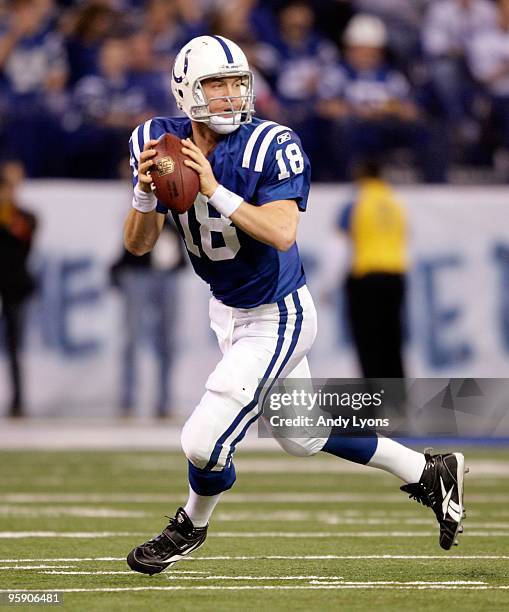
(144, 202)
(224, 201)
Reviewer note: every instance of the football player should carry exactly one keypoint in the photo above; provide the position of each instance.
(240, 234)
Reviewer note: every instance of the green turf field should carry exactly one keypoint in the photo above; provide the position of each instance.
(293, 534)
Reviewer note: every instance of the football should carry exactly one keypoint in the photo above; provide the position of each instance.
(176, 185)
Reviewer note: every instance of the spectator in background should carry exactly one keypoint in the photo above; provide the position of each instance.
(110, 105)
(233, 22)
(17, 228)
(371, 107)
(298, 58)
(33, 78)
(145, 74)
(148, 285)
(169, 25)
(448, 29)
(267, 104)
(375, 223)
(88, 27)
(192, 17)
(332, 17)
(42, 58)
(258, 16)
(403, 21)
(489, 63)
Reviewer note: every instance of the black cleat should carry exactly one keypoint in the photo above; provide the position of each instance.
(441, 488)
(176, 541)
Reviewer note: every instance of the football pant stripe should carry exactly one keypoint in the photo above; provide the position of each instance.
(248, 151)
(295, 338)
(240, 431)
(293, 344)
(283, 319)
(253, 411)
(268, 138)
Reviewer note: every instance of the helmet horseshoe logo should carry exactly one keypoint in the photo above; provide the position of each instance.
(186, 66)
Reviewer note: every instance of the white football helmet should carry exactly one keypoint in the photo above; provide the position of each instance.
(205, 57)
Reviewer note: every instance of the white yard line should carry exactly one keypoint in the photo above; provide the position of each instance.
(227, 517)
(312, 579)
(62, 560)
(444, 557)
(229, 498)
(32, 567)
(346, 534)
(170, 576)
(96, 573)
(320, 517)
(361, 585)
(411, 582)
(78, 511)
(181, 571)
(332, 518)
(66, 534)
(252, 534)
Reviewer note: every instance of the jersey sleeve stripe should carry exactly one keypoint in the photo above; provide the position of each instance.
(265, 145)
(136, 144)
(140, 141)
(134, 148)
(146, 130)
(248, 151)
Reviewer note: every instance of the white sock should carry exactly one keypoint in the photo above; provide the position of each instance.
(199, 508)
(399, 460)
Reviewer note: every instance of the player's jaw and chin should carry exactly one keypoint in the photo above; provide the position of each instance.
(224, 115)
(226, 123)
(225, 112)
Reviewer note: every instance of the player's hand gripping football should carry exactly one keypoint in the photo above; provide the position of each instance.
(197, 161)
(145, 164)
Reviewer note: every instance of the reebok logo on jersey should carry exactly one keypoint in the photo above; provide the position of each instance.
(283, 137)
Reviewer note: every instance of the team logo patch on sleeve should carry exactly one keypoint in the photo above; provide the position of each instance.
(283, 137)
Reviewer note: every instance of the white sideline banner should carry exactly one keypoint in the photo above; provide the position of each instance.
(458, 306)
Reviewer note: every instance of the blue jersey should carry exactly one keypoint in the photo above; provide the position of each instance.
(261, 161)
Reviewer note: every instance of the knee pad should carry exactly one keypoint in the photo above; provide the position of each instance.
(197, 446)
(301, 447)
(202, 431)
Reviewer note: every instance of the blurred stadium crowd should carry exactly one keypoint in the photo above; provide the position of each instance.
(425, 83)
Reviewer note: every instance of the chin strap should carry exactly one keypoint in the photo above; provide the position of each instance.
(224, 125)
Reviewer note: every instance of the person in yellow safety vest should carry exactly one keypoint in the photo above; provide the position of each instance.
(376, 225)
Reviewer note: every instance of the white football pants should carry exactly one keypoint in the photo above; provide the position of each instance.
(266, 342)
